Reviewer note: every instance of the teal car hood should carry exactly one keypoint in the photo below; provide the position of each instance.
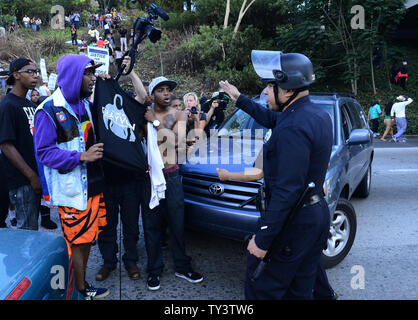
(22, 252)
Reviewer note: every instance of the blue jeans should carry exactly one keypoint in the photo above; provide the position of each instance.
(172, 209)
(3, 83)
(401, 126)
(127, 197)
(27, 203)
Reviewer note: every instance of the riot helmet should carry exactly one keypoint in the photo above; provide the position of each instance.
(289, 71)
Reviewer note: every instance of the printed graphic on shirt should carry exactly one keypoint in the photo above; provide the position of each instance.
(30, 114)
(115, 119)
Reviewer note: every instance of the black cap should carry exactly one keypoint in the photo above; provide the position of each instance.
(16, 65)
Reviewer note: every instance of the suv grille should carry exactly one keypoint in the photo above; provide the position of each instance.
(196, 188)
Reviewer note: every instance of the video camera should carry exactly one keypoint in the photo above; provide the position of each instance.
(146, 27)
(143, 27)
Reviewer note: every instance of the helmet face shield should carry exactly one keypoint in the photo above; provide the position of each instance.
(264, 62)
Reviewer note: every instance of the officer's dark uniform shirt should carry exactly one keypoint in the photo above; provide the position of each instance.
(297, 153)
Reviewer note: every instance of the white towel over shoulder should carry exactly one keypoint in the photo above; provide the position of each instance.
(158, 183)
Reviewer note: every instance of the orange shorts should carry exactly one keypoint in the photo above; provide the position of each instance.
(83, 226)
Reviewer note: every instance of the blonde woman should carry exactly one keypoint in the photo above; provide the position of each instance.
(192, 109)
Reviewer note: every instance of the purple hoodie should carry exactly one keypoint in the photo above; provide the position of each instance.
(70, 69)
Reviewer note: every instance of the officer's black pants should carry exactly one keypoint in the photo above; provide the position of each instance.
(291, 275)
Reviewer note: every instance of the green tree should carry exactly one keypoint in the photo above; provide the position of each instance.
(322, 29)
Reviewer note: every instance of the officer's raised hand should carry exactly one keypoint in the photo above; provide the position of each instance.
(230, 90)
(254, 250)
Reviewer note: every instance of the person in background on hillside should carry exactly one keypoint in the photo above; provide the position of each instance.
(38, 23)
(73, 35)
(398, 111)
(26, 21)
(402, 76)
(389, 122)
(123, 43)
(374, 113)
(12, 27)
(101, 24)
(33, 24)
(93, 34)
(76, 19)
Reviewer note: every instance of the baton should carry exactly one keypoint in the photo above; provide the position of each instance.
(279, 238)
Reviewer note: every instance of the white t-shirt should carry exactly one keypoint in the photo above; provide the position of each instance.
(26, 19)
(398, 108)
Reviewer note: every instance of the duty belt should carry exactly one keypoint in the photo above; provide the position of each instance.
(312, 200)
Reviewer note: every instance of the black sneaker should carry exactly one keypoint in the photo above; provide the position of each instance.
(153, 282)
(190, 276)
(92, 293)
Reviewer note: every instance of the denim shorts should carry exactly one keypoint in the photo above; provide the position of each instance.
(27, 203)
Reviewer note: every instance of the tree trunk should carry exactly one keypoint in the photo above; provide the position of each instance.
(372, 70)
(242, 12)
(227, 11)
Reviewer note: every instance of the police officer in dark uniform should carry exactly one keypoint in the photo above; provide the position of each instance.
(296, 154)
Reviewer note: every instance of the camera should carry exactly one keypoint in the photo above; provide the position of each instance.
(194, 110)
(146, 27)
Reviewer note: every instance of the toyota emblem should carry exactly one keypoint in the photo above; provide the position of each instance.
(216, 189)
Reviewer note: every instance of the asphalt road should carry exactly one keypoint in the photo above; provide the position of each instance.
(382, 263)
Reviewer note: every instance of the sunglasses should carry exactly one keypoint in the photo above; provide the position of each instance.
(31, 72)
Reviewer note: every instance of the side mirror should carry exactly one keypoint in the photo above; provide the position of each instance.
(359, 136)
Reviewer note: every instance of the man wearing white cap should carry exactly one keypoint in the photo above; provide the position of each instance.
(169, 123)
(398, 110)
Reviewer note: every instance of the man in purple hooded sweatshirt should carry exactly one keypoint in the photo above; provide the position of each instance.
(68, 160)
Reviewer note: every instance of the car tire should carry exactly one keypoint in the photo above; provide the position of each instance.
(343, 229)
(363, 189)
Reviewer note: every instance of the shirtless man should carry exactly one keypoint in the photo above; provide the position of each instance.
(171, 131)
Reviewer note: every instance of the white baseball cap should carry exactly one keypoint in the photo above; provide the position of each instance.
(160, 81)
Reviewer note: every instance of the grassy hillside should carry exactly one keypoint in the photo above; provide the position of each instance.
(164, 58)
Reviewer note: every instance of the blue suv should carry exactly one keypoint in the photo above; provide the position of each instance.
(216, 207)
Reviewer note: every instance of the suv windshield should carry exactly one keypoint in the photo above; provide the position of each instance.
(240, 121)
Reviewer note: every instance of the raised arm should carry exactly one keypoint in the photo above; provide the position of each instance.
(262, 115)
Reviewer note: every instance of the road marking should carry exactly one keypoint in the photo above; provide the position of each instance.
(403, 170)
(397, 171)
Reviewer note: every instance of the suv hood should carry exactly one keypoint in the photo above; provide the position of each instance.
(225, 153)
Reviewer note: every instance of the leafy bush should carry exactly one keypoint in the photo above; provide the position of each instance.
(217, 54)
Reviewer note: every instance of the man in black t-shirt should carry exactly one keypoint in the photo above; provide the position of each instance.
(16, 143)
